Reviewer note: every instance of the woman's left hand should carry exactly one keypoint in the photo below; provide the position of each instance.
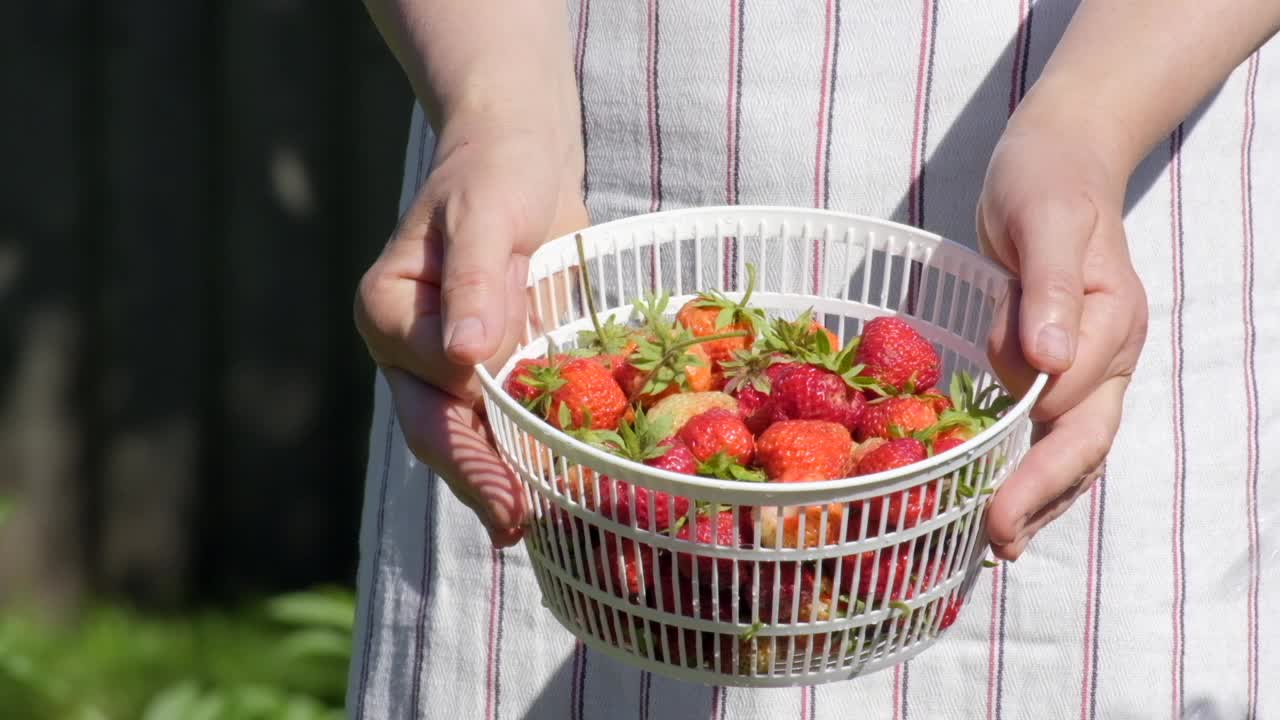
(1051, 213)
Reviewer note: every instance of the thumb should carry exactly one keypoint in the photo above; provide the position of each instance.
(473, 288)
(1051, 244)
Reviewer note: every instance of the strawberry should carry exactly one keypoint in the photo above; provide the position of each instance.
(648, 440)
(677, 459)
(523, 383)
(713, 313)
(678, 408)
(626, 566)
(865, 448)
(721, 529)
(969, 413)
(589, 397)
(879, 574)
(804, 450)
(894, 454)
(816, 600)
(906, 509)
(950, 614)
(947, 439)
(750, 379)
(895, 354)
(616, 504)
(940, 403)
(895, 416)
(667, 359)
(809, 392)
(800, 339)
(718, 430)
(801, 526)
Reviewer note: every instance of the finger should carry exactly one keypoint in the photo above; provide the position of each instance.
(1076, 443)
(1055, 509)
(1051, 238)
(1004, 349)
(477, 241)
(448, 436)
(1105, 327)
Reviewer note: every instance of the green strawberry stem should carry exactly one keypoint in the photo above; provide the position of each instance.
(586, 284)
(674, 351)
(751, 286)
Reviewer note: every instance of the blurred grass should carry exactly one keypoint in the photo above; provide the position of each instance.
(285, 657)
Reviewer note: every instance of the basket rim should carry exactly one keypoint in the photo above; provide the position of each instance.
(599, 459)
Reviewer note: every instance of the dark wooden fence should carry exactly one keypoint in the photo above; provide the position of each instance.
(189, 192)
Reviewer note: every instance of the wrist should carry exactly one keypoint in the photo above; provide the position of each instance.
(1101, 144)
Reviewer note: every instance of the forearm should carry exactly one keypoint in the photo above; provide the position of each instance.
(1125, 73)
(494, 62)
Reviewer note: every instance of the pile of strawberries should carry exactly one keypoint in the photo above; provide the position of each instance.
(721, 390)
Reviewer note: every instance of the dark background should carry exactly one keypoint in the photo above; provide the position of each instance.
(189, 193)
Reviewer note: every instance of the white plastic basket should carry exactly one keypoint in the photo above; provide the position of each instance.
(709, 624)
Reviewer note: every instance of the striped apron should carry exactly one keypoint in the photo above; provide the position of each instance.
(1155, 596)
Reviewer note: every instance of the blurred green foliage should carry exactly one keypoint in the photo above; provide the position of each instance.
(285, 658)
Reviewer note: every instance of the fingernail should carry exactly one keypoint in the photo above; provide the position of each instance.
(1054, 343)
(465, 332)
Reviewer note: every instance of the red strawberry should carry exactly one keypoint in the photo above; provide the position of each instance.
(791, 584)
(951, 613)
(947, 439)
(626, 565)
(721, 529)
(804, 450)
(716, 431)
(616, 504)
(588, 391)
(894, 353)
(906, 413)
(940, 402)
(751, 379)
(695, 376)
(808, 392)
(677, 458)
(906, 507)
(878, 574)
(521, 384)
(714, 313)
(892, 455)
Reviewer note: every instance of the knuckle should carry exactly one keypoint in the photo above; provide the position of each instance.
(1027, 214)
(370, 321)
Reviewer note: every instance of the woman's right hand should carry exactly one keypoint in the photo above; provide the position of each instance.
(448, 291)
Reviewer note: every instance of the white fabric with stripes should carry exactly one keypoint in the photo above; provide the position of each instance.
(1156, 596)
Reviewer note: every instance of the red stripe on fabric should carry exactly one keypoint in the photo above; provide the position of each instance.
(1250, 377)
(992, 655)
(731, 105)
(917, 140)
(715, 703)
(495, 620)
(897, 692)
(1090, 608)
(1179, 469)
(824, 96)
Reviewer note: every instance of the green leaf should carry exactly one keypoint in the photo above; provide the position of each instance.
(752, 631)
(564, 416)
(314, 643)
(174, 703)
(990, 563)
(314, 609)
(6, 509)
(901, 607)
